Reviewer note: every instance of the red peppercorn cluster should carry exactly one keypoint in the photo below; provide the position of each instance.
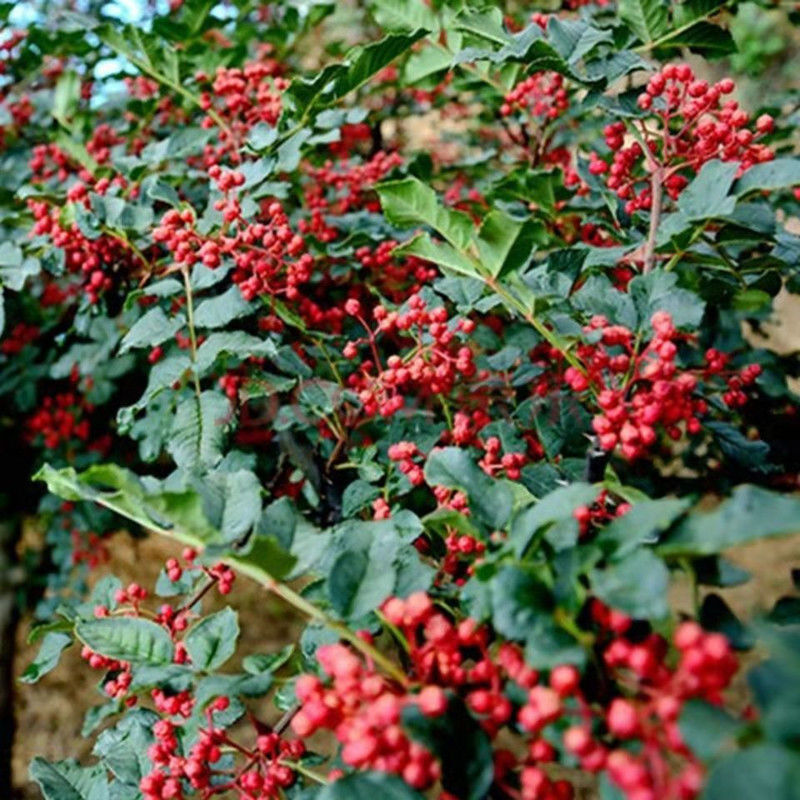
(694, 126)
(88, 548)
(395, 278)
(736, 381)
(60, 420)
(336, 189)
(242, 98)
(494, 464)
(599, 513)
(103, 138)
(541, 95)
(50, 161)
(18, 338)
(267, 255)
(351, 135)
(263, 775)
(363, 709)
(463, 551)
(636, 389)
(433, 365)
(660, 764)
(98, 261)
(404, 454)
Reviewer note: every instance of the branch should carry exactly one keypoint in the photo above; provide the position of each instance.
(657, 194)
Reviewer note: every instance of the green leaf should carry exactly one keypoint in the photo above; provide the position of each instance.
(555, 508)
(366, 61)
(66, 96)
(702, 37)
(519, 599)
(637, 585)
(133, 639)
(750, 513)
(643, 524)
(14, 269)
(217, 312)
(599, 296)
(491, 500)
(781, 173)
(266, 556)
(48, 656)
(257, 663)
(485, 24)
(68, 780)
(358, 495)
(368, 786)
(755, 773)
(426, 62)
(574, 39)
(235, 343)
(707, 195)
(212, 641)
(496, 240)
(409, 203)
(241, 498)
(646, 18)
(122, 492)
(338, 80)
(152, 328)
(658, 291)
(198, 430)
(370, 561)
(123, 748)
(447, 257)
(461, 746)
(751, 454)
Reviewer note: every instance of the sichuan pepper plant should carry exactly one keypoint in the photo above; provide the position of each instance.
(438, 322)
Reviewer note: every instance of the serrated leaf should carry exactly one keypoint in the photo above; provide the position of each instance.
(557, 507)
(216, 312)
(198, 430)
(658, 291)
(212, 641)
(236, 343)
(648, 19)
(132, 639)
(441, 253)
(410, 203)
(242, 503)
(370, 561)
(780, 173)
(68, 780)
(573, 39)
(152, 328)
